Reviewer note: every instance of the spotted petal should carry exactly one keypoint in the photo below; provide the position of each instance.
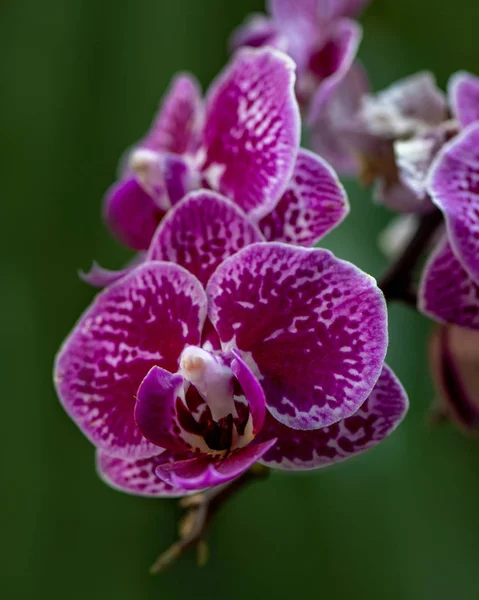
(314, 327)
(463, 91)
(143, 320)
(135, 477)
(314, 203)
(177, 125)
(454, 188)
(252, 130)
(207, 471)
(131, 213)
(371, 424)
(447, 293)
(201, 231)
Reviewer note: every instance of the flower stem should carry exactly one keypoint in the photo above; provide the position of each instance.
(397, 283)
(201, 509)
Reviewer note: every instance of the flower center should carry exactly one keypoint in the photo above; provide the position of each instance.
(215, 408)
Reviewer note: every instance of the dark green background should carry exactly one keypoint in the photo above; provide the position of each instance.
(80, 81)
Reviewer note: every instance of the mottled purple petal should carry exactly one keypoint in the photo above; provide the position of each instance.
(252, 389)
(179, 120)
(447, 293)
(201, 231)
(143, 320)
(258, 31)
(207, 471)
(371, 424)
(252, 130)
(131, 214)
(314, 203)
(159, 398)
(454, 362)
(334, 110)
(136, 477)
(463, 91)
(454, 188)
(314, 328)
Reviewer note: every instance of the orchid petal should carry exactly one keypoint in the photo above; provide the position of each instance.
(447, 293)
(258, 31)
(454, 361)
(252, 130)
(160, 397)
(454, 188)
(200, 232)
(463, 92)
(177, 125)
(143, 320)
(135, 477)
(312, 326)
(207, 471)
(252, 389)
(374, 421)
(335, 106)
(315, 202)
(131, 214)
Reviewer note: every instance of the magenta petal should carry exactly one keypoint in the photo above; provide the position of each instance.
(332, 63)
(207, 470)
(159, 409)
(143, 320)
(131, 214)
(447, 293)
(136, 477)
(252, 389)
(100, 277)
(315, 202)
(335, 108)
(258, 31)
(200, 232)
(179, 120)
(252, 130)
(371, 424)
(454, 188)
(463, 91)
(313, 327)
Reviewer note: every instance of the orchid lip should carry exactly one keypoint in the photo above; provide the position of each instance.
(220, 422)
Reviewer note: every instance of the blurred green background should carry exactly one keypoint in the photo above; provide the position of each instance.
(80, 82)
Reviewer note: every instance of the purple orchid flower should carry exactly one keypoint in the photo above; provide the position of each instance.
(319, 35)
(449, 291)
(242, 142)
(183, 385)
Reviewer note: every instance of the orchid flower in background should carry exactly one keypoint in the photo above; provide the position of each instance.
(242, 142)
(319, 35)
(279, 358)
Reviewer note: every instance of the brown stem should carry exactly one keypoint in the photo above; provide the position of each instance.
(398, 281)
(202, 508)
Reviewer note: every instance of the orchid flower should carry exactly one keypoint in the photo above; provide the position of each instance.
(264, 351)
(242, 141)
